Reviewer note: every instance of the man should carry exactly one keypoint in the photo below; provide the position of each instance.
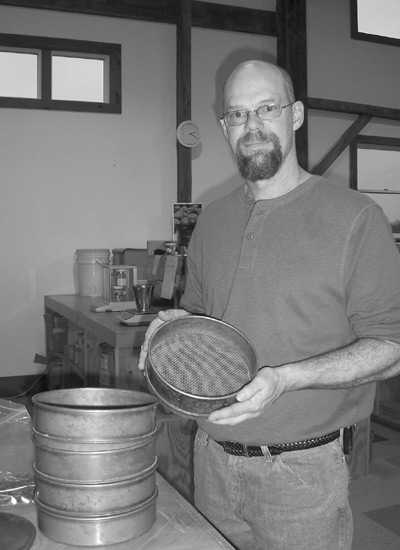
(311, 274)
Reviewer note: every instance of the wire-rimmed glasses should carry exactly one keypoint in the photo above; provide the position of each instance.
(265, 112)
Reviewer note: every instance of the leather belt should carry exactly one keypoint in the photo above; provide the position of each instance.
(237, 449)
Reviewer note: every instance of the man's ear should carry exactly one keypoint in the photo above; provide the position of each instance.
(298, 115)
(224, 127)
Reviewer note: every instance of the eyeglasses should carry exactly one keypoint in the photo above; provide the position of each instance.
(265, 112)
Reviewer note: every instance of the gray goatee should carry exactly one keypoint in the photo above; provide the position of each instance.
(262, 165)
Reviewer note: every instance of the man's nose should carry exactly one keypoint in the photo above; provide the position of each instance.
(254, 121)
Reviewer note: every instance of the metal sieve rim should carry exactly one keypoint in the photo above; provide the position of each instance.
(206, 325)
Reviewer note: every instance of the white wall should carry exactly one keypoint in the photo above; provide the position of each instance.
(79, 180)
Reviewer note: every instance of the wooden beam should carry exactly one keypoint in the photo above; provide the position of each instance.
(376, 142)
(341, 145)
(183, 99)
(292, 44)
(165, 11)
(239, 19)
(204, 14)
(292, 55)
(353, 108)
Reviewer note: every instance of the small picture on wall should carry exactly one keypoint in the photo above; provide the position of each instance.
(185, 216)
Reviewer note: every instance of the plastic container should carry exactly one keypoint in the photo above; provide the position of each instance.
(89, 262)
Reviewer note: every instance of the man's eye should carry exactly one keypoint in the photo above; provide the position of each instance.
(237, 114)
(269, 108)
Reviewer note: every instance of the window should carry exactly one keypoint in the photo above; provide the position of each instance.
(375, 21)
(52, 73)
(374, 170)
(19, 74)
(78, 79)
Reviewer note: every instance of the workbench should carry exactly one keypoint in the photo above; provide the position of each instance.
(178, 526)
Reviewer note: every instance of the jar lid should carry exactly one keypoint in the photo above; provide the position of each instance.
(16, 532)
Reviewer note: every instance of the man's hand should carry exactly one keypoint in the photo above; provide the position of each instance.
(253, 399)
(163, 316)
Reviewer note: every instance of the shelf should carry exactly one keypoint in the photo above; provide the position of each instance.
(388, 414)
(380, 191)
(386, 421)
(105, 326)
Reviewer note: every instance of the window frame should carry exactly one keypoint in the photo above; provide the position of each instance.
(380, 143)
(46, 47)
(356, 35)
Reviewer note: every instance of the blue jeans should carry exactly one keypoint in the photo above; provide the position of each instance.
(293, 501)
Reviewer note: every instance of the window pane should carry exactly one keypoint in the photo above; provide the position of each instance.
(77, 79)
(379, 17)
(391, 206)
(378, 169)
(19, 74)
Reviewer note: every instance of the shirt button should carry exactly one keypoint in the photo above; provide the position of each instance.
(250, 236)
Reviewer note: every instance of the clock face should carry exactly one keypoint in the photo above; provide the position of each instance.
(188, 134)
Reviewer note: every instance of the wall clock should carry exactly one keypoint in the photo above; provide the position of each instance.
(188, 134)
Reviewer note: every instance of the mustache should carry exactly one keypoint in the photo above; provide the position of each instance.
(254, 137)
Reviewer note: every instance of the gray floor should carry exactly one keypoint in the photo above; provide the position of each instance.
(375, 497)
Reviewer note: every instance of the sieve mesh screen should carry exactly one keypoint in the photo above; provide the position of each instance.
(200, 364)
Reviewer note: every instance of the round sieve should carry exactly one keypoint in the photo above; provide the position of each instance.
(197, 364)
